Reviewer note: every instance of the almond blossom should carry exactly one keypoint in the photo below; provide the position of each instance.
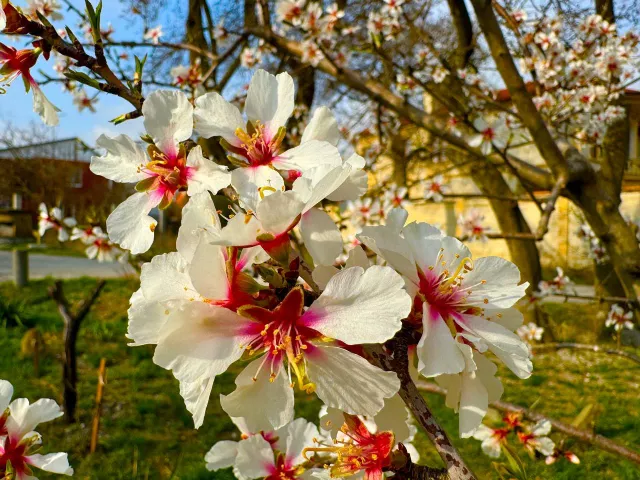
(536, 439)
(154, 34)
(48, 8)
(530, 332)
(160, 173)
(13, 64)
(83, 101)
(290, 11)
(53, 219)
(19, 441)
(618, 318)
(559, 284)
(488, 135)
(473, 226)
(435, 189)
(492, 439)
(463, 308)
(255, 144)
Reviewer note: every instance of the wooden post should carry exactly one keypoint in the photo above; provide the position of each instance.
(102, 380)
(16, 201)
(71, 329)
(21, 267)
(452, 221)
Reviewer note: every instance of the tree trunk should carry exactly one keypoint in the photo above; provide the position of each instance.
(604, 8)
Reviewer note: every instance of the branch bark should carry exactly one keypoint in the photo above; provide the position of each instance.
(397, 361)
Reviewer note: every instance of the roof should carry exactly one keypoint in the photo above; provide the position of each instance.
(70, 149)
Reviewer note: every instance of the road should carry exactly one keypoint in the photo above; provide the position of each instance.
(41, 266)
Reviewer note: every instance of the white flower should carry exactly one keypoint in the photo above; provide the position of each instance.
(257, 457)
(530, 332)
(250, 57)
(101, 248)
(466, 309)
(488, 136)
(492, 439)
(48, 8)
(168, 119)
(19, 441)
(52, 219)
(435, 188)
(256, 143)
(82, 100)
(473, 227)
(536, 438)
(618, 318)
(290, 11)
(311, 53)
(154, 34)
(43, 107)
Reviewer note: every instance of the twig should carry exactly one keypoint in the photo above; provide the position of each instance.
(543, 225)
(102, 380)
(579, 434)
(398, 361)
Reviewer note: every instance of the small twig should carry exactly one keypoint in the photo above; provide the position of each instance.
(581, 435)
(102, 380)
(543, 225)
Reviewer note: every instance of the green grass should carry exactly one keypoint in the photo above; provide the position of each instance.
(147, 433)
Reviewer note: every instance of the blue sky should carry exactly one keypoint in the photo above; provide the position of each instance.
(16, 106)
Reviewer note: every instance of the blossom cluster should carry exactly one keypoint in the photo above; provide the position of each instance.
(619, 318)
(264, 282)
(98, 245)
(19, 441)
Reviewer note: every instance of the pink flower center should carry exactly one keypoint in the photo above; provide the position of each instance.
(257, 145)
(14, 453)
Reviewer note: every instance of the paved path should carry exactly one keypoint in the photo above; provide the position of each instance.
(41, 266)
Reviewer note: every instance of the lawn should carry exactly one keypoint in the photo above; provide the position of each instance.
(147, 433)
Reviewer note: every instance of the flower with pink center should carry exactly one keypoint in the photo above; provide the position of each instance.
(463, 308)
(530, 332)
(160, 173)
(255, 144)
(15, 63)
(280, 459)
(189, 77)
(435, 189)
(492, 439)
(488, 135)
(618, 318)
(50, 9)
(536, 439)
(290, 11)
(84, 101)
(154, 34)
(473, 226)
(101, 248)
(53, 219)
(357, 449)
(19, 441)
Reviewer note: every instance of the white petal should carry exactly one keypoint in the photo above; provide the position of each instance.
(356, 185)
(24, 417)
(130, 224)
(359, 306)
(483, 432)
(308, 155)
(501, 278)
(222, 455)
(166, 277)
(474, 402)
(322, 126)
(249, 181)
(357, 258)
(206, 175)
(263, 404)
(491, 446)
(543, 427)
(545, 445)
(437, 350)
(396, 219)
(347, 381)
(321, 236)
(486, 371)
(270, 99)
(202, 341)
(319, 182)
(393, 417)
(294, 438)
(146, 319)
(198, 215)
(240, 231)
(52, 462)
(387, 242)
(255, 458)
(168, 118)
(196, 397)
(322, 274)
(3, 19)
(208, 271)
(509, 318)
(6, 392)
(43, 107)
(123, 160)
(215, 117)
(277, 212)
